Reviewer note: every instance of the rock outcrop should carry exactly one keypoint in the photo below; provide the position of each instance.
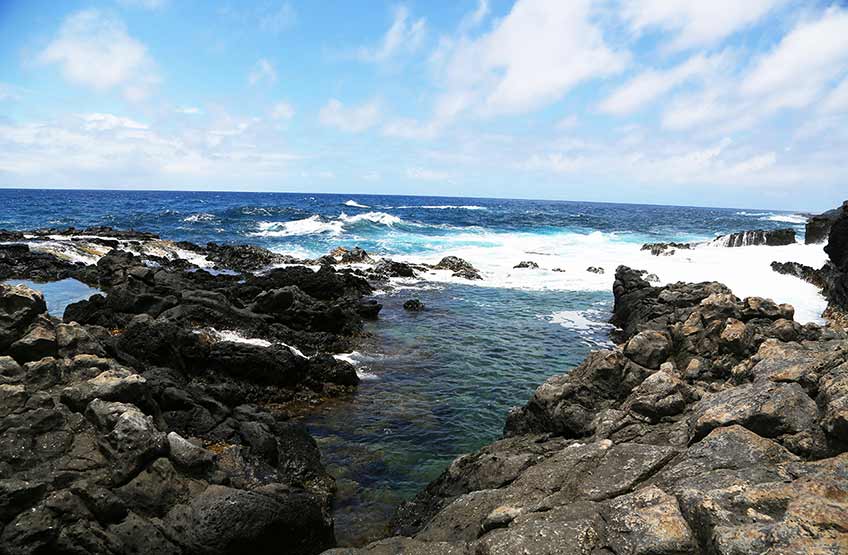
(103, 457)
(717, 426)
(771, 238)
(818, 227)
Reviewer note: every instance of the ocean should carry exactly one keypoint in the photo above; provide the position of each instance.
(439, 383)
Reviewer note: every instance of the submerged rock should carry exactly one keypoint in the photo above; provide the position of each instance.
(413, 305)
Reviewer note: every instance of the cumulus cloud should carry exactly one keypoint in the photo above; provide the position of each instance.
(405, 34)
(794, 73)
(693, 23)
(95, 50)
(532, 57)
(263, 71)
(353, 119)
(652, 84)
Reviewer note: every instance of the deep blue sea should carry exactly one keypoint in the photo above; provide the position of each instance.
(439, 383)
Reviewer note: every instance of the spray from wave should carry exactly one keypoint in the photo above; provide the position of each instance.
(354, 204)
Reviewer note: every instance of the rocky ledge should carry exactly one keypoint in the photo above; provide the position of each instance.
(156, 417)
(832, 278)
(717, 426)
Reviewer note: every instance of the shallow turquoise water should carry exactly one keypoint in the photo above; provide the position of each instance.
(438, 384)
(59, 294)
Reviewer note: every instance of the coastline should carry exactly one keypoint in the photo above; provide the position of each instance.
(138, 288)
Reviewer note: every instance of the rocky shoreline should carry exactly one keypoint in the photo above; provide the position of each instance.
(716, 426)
(156, 417)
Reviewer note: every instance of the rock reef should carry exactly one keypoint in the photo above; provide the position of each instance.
(718, 425)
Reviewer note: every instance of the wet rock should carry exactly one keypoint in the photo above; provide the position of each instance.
(413, 305)
(595, 270)
(244, 258)
(818, 227)
(527, 264)
(369, 309)
(665, 249)
(774, 237)
(390, 268)
(460, 268)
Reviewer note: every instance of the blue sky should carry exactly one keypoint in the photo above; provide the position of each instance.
(723, 103)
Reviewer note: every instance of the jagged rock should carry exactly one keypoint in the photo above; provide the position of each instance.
(19, 306)
(355, 255)
(225, 520)
(766, 408)
(594, 270)
(413, 305)
(73, 339)
(649, 348)
(665, 249)
(818, 227)
(130, 439)
(660, 394)
(187, 454)
(460, 268)
(39, 342)
(527, 264)
(390, 268)
(771, 238)
(119, 385)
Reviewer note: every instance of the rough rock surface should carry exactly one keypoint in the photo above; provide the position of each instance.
(718, 426)
(154, 419)
(818, 227)
(770, 238)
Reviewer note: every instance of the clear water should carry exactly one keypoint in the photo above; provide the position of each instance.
(59, 294)
(439, 383)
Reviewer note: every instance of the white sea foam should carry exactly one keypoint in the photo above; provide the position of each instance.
(446, 207)
(354, 204)
(743, 213)
(587, 323)
(312, 225)
(234, 337)
(746, 270)
(355, 358)
(374, 217)
(200, 217)
(786, 218)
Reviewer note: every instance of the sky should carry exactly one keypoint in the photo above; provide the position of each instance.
(720, 103)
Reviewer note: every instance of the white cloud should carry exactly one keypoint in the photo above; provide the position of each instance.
(282, 110)
(532, 57)
(426, 174)
(837, 100)
(652, 84)
(568, 122)
(189, 110)
(695, 22)
(109, 149)
(403, 35)
(146, 4)
(405, 128)
(278, 18)
(263, 71)
(10, 92)
(108, 122)
(354, 119)
(95, 50)
(796, 71)
(475, 18)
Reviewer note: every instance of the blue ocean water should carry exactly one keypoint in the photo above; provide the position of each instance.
(437, 383)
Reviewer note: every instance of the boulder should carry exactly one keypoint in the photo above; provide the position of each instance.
(648, 348)
(19, 307)
(527, 264)
(460, 268)
(38, 342)
(771, 238)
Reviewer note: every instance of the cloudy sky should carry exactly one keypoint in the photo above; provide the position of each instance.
(720, 102)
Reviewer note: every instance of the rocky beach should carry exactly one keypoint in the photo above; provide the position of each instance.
(160, 414)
